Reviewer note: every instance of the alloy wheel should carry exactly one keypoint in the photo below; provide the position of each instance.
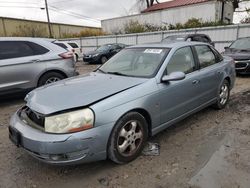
(52, 80)
(224, 93)
(130, 138)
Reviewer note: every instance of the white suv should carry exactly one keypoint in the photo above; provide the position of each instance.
(72, 47)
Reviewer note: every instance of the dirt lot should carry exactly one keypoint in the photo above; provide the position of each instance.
(211, 149)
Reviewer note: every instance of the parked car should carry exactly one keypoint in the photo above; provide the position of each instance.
(239, 50)
(77, 49)
(27, 63)
(188, 37)
(103, 53)
(72, 47)
(111, 112)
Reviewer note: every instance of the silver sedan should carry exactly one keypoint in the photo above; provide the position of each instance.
(111, 112)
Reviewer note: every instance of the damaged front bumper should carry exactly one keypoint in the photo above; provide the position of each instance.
(74, 148)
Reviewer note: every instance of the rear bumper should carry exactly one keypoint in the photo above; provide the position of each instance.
(81, 147)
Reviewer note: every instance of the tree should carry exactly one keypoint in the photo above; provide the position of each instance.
(149, 3)
(236, 3)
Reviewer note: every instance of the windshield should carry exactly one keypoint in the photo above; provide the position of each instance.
(241, 44)
(174, 38)
(137, 62)
(103, 48)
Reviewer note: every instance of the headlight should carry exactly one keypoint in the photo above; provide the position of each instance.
(70, 122)
(95, 55)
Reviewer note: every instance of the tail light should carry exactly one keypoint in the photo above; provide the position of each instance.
(66, 55)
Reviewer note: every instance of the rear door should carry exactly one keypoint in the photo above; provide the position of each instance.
(20, 64)
(179, 97)
(210, 73)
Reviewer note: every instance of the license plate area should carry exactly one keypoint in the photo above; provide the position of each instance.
(15, 136)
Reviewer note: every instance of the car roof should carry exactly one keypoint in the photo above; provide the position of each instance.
(26, 39)
(167, 45)
(188, 35)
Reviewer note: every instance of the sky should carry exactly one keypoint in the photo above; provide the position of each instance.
(78, 12)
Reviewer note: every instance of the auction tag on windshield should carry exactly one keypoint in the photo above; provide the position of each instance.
(153, 51)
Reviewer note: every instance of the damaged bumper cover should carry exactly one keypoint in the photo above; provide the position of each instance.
(75, 148)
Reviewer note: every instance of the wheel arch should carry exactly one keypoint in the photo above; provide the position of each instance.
(229, 80)
(142, 112)
(49, 71)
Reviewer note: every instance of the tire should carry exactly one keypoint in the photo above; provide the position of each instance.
(103, 59)
(77, 58)
(223, 95)
(50, 77)
(128, 138)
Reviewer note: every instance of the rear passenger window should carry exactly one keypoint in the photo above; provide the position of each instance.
(15, 49)
(37, 49)
(182, 60)
(61, 45)
(205, 55)
(73, 45)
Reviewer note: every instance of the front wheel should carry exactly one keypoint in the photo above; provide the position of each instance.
(223, 95)
(104, 59)
(128, 138)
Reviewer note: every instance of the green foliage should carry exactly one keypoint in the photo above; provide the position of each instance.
(34, 30)
(195, 23)
(136, 27)
(245, 20)
(84, 33)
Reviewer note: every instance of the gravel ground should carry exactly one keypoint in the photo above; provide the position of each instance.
(208, 149)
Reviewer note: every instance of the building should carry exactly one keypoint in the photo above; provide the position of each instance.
(173, 12)
(22, 27)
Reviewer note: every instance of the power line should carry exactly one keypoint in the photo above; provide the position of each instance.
(73, 14)
(61, 1)
(16, 6)
(22, 2)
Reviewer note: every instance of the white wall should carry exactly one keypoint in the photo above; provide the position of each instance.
(208, 11)
(222, 36)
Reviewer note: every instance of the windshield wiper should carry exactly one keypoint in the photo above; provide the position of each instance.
(102, 71)
(117, 73)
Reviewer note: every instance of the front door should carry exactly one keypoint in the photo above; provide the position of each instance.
(179, 97)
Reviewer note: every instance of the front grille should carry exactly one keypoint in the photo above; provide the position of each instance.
(241, 65)
(32, 118)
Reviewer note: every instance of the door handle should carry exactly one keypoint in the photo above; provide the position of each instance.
(195, 82)
(35, 60)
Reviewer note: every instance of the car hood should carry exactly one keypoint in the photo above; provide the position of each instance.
(80, 91)
(238, 54)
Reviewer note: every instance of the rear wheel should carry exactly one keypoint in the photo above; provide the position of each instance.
(128, 138)
(77, 58)
(223, 95)
(104, 59)
(49, 78)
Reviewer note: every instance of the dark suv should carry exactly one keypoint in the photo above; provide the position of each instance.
(103, 53)
(188, 37)
(239, 50)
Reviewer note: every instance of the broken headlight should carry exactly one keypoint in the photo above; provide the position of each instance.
(70, 122)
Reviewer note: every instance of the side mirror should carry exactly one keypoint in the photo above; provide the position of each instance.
(174, 76)
(226, 47)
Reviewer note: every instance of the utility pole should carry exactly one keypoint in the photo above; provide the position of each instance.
(49, 25)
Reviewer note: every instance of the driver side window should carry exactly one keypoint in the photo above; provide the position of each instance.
(181, 61)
